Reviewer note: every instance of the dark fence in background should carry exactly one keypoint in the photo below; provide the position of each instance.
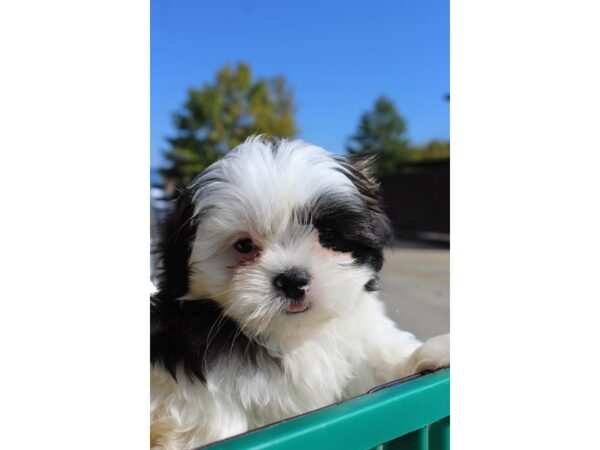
(417, 200)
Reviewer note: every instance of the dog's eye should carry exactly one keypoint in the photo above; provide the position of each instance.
(327, 234)
(244, 245)
(330, 238)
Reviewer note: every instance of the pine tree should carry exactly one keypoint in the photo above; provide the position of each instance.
(381, 132)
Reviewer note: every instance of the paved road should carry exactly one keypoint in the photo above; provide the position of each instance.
(415, 286)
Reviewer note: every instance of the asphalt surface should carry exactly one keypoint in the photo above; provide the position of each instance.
(415, 286)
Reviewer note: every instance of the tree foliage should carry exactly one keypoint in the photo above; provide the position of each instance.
(381, 132)
(221, 115)
(433, 150)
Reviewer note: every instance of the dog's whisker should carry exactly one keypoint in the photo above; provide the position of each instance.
(233, 341)
(219, 319)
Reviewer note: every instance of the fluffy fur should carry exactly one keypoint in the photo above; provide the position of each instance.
(231, 349)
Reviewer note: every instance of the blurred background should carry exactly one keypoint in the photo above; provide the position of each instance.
(354, 77)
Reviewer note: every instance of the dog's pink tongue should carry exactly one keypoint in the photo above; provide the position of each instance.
(297, 307)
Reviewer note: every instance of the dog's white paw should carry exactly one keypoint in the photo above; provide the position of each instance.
(434, 354)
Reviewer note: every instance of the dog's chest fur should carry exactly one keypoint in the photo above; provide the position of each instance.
(305, 371)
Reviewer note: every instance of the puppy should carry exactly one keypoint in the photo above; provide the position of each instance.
(267, 301)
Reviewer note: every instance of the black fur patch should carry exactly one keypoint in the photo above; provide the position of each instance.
(193, 334)
(372, 285)
(359, 173)
(345, 225)
(348, 223)
(176, 237)
(359, 227)
(175, 247)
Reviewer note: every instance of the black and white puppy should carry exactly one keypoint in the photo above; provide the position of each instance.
(267, 301)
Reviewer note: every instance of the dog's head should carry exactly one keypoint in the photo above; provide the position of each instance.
(281, 234)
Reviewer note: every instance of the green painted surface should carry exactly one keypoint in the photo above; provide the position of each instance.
(415, 440)
(364, 422)
(439, 435)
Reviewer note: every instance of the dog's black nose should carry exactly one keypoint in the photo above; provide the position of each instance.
(293, 283)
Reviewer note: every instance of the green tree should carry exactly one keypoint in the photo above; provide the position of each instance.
(433, 150)
(381, 132)
(221, 115)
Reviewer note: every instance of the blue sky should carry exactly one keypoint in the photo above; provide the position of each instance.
(338, 56)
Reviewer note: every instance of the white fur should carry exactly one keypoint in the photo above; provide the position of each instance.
(343, 346)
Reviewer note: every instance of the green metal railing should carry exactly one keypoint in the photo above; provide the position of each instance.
(409, 414)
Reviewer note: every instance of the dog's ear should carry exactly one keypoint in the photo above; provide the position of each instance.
(358, 170)
(177, 234)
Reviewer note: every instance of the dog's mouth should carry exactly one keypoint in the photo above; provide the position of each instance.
(298, 307)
